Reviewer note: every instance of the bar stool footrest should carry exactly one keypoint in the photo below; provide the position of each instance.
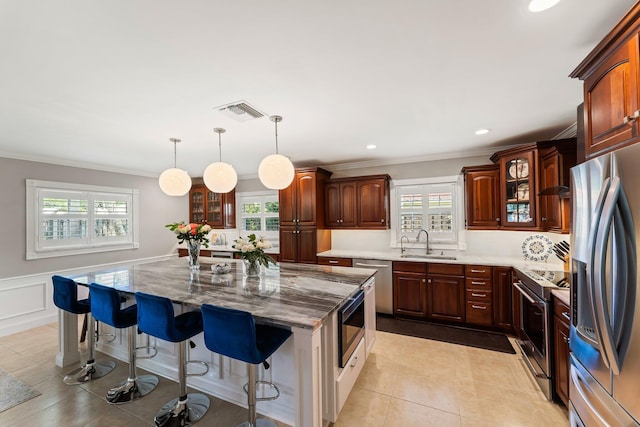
(147, 347)
(199, 362)
(269, 383)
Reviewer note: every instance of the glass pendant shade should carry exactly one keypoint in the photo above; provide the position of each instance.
(276, 172)
(220, 177)
(175, 182)
(540, 5)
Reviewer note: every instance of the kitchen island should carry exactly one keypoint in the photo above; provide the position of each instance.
(304, 298)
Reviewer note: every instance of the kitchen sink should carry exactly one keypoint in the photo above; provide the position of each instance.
(424, 256)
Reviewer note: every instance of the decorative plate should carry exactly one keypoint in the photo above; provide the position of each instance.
(537, 248)
(523, 192)
(519, 169)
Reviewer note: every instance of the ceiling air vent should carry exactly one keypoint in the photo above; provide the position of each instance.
(240, 111)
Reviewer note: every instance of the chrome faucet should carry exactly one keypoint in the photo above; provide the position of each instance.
(418, 238)
(402, 248)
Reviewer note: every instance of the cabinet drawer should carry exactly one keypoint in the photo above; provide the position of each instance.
(343, 262)
(478, 283)
(349, 374)
(476, 295)
(561, 310)
(477, 271)
(448, 269)
(411, 267)
(479, 313)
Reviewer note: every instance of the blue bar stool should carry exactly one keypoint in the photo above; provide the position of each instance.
(156, 318)
(234, 333)
(105, 307)
(65, 297)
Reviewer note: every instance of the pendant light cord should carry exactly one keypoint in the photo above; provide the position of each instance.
(175, 151)
(276, 122)
(220, 146)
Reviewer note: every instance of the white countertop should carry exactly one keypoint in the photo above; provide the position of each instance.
(461, 258)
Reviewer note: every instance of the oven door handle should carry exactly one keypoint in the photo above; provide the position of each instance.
(525, 293)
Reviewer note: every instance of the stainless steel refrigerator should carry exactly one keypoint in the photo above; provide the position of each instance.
(604, 385)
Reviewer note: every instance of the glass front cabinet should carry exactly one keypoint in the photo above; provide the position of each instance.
(216, 209)
(519, 190)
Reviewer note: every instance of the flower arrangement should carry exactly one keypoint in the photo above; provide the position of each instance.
(252, 249)
(191, 232)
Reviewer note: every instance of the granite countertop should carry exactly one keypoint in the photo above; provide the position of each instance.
(501, 261)
(299, 295)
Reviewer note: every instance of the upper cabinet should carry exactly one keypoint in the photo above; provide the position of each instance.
(301, 203)
(216, 209)
(358, 202)
(523, 189)
(611, 92)
(482, 192)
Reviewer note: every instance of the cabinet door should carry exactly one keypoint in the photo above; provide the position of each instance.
(348, 208)
(307, 245)
(373, 204)
(550, 208)
(229, 209)
(197, 204)
(288, 200)
(445, 298)
(288, 244)
(611, 100)
(561, 355)
(333, 205)
(369, 315)
(214, 209)
(482, 190)
(519, 191)
(306, 198)
(502, 298)
(410, 294)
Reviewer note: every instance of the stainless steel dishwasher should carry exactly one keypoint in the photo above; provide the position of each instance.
(384, 282)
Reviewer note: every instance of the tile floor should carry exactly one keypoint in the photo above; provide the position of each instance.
(405, 382)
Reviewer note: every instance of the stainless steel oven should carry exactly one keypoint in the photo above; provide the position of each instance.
(350, 327)
(534, 292)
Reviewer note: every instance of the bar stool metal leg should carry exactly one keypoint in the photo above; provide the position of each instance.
(134, 387)
(91, 370)
(186, 409)
(250, 389)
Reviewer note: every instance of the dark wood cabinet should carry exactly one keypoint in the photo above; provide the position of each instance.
(518, 189)
(611, 91)
(341, 262)
(216, 209)
(479, 295)
(358, 202)
(341, 208)
(302, 217)
(561, 320)
(503, 298)
(410, 289)
(555, 209)
(446, 292)
(482, 193)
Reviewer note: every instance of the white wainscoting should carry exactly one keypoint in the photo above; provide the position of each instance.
(26, 302)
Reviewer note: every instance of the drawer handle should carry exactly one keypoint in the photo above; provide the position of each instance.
(479, 307)
(480, 271)
(566, 315)
(478, 295)
(478, 283)
(332, 261)
(355, 361)
(628, 119)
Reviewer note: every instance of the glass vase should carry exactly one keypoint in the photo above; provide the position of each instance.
(194, 254)
(252, 268)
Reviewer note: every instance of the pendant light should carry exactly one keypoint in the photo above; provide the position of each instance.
(220, 177)
(276, 171)
(174, 181)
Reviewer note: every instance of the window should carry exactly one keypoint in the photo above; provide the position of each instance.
(69, 219)
(259, 213)
(429, 204)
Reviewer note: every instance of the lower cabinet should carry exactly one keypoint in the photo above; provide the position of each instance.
(503, 298)
(369, 315)
(410, 289)
(479, 294)
(561, 320)
(445, 292)
(298, 244)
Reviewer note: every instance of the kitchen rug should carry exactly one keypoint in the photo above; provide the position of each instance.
(13, 391)
(451, 334)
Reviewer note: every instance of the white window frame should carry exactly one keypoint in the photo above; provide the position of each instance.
(457, 242)
(257, 196)
(37, 247)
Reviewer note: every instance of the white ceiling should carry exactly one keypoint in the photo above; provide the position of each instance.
(106, 83)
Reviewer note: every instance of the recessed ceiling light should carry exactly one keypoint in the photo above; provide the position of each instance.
(483, 131)
(371, 147)
(540, 5)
